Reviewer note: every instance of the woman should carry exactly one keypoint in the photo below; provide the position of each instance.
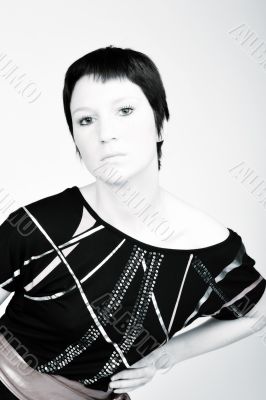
(105, 275)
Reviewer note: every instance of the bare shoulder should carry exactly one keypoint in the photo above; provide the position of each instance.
(199, 228)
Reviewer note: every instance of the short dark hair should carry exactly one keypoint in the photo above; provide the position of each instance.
(114, 62)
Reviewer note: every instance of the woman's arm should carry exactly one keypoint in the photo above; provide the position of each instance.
(212, 334)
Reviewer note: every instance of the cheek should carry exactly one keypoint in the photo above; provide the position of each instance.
(87, 148)
(142, 137)
(144, 125)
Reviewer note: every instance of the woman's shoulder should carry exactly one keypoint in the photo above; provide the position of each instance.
(53, 214)
(199, 229)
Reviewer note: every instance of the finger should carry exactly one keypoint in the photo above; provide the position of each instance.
(128, 383)
(133, 373)
(128, 389)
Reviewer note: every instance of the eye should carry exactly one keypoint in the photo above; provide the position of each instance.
(127, 108)
(84, 118)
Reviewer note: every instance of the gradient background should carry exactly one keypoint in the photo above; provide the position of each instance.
(214, 149)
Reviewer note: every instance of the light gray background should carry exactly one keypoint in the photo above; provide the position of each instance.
(216, 95)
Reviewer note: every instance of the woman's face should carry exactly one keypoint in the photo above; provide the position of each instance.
(109, 118)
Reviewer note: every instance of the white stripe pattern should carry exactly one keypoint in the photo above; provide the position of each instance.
(180, 292)
(90, 309)
(237, 262)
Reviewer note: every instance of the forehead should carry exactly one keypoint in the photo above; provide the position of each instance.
(92, 91)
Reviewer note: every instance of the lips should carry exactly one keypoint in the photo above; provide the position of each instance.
(111, 155)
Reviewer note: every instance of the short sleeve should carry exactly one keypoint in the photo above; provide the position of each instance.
(235, 288)
(14, 233)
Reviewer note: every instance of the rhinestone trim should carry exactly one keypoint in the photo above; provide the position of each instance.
(93, 333)
(135, 324)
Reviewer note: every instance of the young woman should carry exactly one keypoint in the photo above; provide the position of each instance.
(104, 275)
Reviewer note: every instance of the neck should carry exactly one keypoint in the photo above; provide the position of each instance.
(132, 201)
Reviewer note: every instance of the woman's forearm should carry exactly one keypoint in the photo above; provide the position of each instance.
(212, 334)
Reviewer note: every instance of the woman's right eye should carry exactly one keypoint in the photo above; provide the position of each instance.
(84, 118)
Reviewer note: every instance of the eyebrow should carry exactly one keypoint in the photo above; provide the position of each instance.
(113, 102)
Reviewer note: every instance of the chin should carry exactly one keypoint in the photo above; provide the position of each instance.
(110, 173)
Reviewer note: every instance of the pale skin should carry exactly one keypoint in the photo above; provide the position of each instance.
(107, 124)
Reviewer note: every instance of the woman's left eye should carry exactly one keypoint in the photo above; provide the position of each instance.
(84, 118)
(127, 108)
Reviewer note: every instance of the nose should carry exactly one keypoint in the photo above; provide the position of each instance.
(106, 132)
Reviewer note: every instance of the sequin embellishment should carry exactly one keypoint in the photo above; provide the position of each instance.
(136, 258)
(139, 312)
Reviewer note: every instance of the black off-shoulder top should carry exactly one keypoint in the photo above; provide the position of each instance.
(90, 300)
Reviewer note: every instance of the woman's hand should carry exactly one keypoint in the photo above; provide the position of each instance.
(143, 370)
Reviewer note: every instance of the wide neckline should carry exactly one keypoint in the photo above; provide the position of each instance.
(140, 243)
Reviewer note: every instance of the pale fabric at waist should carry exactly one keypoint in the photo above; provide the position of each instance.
(28, 384)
